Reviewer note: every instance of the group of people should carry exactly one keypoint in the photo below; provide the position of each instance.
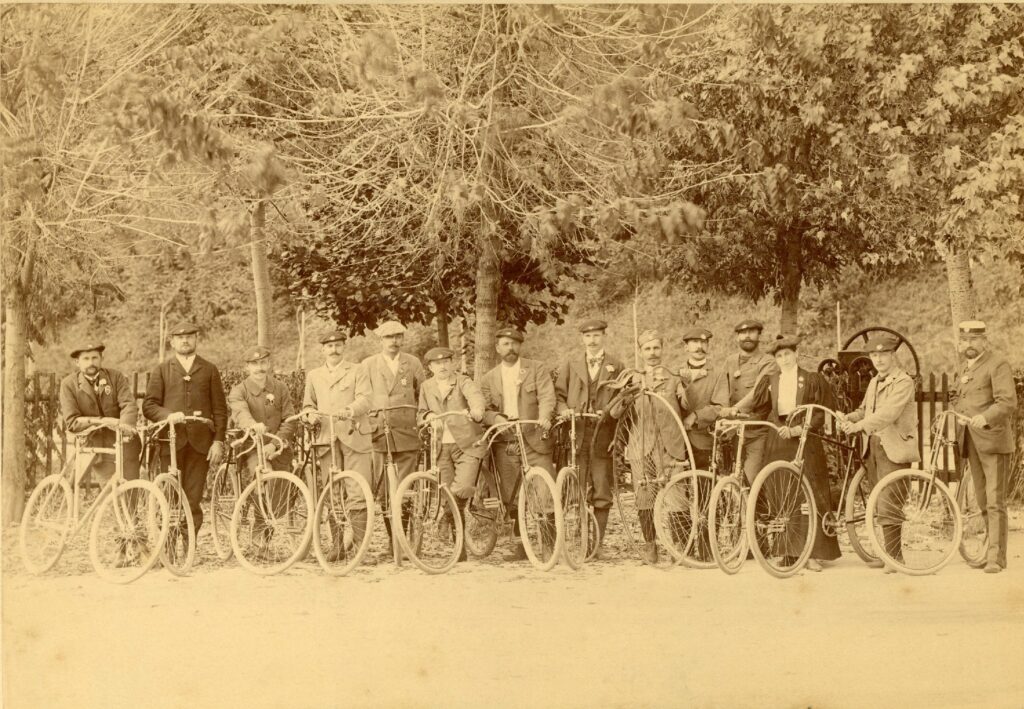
(765, 384)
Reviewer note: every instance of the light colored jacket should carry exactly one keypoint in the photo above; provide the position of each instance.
(889, 411)
(333, 391)
(464, 394)
(389, 389)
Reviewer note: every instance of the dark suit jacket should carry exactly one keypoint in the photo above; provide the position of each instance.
(536, 399)
(115, 399)
(987, 388)
(270, 405)
(464, 395)
(703, 398)
(575, 390)
(811, 389)
(168, 391)
(389, 389)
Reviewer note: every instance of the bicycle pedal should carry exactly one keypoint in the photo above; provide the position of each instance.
(491, 503)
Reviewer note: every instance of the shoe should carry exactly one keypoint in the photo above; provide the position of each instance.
(876, 564)
(445, 529)
(992, 568)
(813, 565)
(517, 554)
(889, 570)
(651, 553)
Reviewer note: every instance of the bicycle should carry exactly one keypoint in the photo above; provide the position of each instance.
(581, 530)
(435, 533)
(225, 486)
(271, 524)
(930, 518)
(344, 504)
(541, 530)
(179, 551)
(130, 518)
(659, 495)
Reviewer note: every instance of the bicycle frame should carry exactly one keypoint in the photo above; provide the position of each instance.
(79, 519)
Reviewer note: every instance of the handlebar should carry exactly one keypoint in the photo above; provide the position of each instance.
(731, 424)
(563, 417)
(378, 412)
(432, 417)
(491, 433)
(191, 418)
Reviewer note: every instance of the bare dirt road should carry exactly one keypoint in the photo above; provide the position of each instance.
(487, 635)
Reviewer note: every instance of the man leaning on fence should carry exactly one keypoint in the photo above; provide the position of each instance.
(985, 393)
(99, 395)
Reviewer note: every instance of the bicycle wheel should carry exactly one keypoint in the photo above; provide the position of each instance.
(574, 514)
(726, 516)
(913, 521)
(128, 531)
(223, 498)
(593, 534)
(541, 526)
(432, 536)
(179, 550)
(272, 523)
(343, 515)
(974, 542)
(45, 524)
(856, 516)
(681, 518)
(481, 532)
(781, 519)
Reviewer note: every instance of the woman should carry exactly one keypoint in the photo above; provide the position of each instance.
(775, 397)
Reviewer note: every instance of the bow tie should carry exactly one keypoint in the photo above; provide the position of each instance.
(591, 363)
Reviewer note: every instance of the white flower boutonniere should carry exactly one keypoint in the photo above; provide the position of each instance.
(270, 398)
(404, 382)
(522, 375)
(610, 368)
(187, 377)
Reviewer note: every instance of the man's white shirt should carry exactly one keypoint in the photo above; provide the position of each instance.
(510, 389)
(186, 362)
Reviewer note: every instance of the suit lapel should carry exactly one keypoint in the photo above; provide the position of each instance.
(336, 375)
(89, 390)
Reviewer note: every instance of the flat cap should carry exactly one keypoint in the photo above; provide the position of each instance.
(646, 336)
(183, 328)
(749, 325)
(390, 328)
(593, 325)
(95, 346)
(882, 342)
(784, 342)
(256, 354)
(437, 354)
(336, 336)
(511, 333)
(971, 327)
(697, 333)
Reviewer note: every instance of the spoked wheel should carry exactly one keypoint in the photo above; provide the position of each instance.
(727, 514)
(681, 518)
(272, 523)
(974, 542)
(129, 531)
(45, 524)
(593, 534)
(541, 525)
(432, 536)
(781, 519)
(179, 550)
(856, 516)
(223, 498)
(343, 514)
(481, 532)
(576, 517)
(641, 465)
(914, 522)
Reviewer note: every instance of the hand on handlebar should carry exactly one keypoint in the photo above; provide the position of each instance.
(258, 428)
(176, 417)
(790, 432)
(270, 451)
(309, 417)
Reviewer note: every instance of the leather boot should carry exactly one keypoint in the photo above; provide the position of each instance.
(462, 502)
(601, 515)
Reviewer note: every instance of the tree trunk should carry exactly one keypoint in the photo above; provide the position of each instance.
(962, 302)
(792, 275)
(441, 305)
(261, 276)
(488, 271)
(15, 350)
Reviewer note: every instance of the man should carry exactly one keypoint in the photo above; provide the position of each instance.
(342, 388)
(985, 392)
(523, 389)
(461, 449)
(888, 418)
(742, 371)
(578, 391)
(705, 393)
(98, 395)
(395, 378)
(186, 384)
(261, 403)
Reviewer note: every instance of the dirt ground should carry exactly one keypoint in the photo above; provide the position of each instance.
(615, 634)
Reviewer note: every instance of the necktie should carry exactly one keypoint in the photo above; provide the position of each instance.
(591, 363)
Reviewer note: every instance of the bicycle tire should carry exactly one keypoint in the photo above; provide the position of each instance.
(336, 521)
(178, 552)
(781, 492)
(932, 534)
(223, 498)
(593, 534)
(434, 547)
(974, 541)
(681, 518)
(574, 516)
(135, 523)
(256, 523)
(542, 544)
(45, 526)
(856, 516)
(726, 520)
(480, 534)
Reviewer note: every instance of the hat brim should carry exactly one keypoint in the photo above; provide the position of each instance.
(75, 354)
